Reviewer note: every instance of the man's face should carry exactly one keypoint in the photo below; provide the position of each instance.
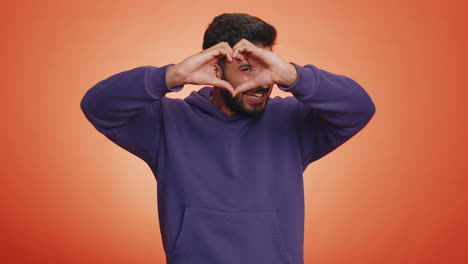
(251, 102)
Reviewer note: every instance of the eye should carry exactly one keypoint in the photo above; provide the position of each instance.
(246, 69)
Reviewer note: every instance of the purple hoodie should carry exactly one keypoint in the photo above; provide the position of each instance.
(229, 188)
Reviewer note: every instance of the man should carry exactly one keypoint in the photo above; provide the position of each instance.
(229, 159)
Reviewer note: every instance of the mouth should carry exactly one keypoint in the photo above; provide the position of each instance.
(256, 95)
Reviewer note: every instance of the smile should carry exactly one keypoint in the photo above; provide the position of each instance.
(256, 95)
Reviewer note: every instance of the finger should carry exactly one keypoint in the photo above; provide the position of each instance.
(244, 53)
(220, 50)
(223, 44)
(223, 84)
(243, 42)
(239, 57)
(227, 51)
(245, 87)
(237, 53)
(243, 49)
(243, 46)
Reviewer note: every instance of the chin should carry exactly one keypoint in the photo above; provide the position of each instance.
(249, 110)
(240, 105)
(254, 113)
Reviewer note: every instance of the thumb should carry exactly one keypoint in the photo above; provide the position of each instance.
(245, 87)
(223, 84)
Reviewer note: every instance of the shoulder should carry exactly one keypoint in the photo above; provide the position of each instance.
(285, 108)
(166, 105)
(289, 104)
(173, 103)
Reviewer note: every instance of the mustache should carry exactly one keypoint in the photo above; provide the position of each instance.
(258, 90)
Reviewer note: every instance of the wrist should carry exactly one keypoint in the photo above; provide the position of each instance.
(173, 77)
(289, 75)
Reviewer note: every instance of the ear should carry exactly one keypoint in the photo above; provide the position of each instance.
(218, 71)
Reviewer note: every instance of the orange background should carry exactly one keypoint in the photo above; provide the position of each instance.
(395, 193)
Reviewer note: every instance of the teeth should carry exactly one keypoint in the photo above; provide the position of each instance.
(254, 95)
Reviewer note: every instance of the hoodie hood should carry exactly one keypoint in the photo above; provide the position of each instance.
(201, 100)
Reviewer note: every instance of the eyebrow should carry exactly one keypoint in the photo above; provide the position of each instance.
(244, 65)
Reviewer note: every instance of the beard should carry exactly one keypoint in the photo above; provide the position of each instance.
(237, 105)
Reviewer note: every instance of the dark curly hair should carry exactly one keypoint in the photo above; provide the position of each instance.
(231, 28)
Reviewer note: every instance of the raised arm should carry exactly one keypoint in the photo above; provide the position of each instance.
(334, 108)
(126, 108)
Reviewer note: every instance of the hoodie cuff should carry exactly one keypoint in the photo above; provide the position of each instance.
(158, 82)
(306, 78)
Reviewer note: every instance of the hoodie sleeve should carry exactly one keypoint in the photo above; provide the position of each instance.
(334, 108)
(126, 108)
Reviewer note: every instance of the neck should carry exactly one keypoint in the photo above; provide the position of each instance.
(218, 101)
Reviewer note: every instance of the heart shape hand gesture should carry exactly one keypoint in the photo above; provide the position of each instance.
(200, 69)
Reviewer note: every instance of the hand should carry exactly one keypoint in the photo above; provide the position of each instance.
(200, 69)
(267, 67)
